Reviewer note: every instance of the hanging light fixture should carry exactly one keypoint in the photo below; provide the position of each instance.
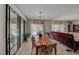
(41, 17)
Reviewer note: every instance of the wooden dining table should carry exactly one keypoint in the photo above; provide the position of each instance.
(45, 42)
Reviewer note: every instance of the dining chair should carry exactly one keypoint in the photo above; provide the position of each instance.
(33, 42)
(48, 50)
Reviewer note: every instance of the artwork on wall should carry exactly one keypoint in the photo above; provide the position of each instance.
(75, 28)
(70, 26)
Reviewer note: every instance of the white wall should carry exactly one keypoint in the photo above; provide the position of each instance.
(2, 29)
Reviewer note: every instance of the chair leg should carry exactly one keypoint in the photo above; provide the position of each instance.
(32, 50)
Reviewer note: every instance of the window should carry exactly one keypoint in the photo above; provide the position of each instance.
(36, 28)
(58, 27)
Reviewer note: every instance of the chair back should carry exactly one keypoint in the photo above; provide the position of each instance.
(33, 40)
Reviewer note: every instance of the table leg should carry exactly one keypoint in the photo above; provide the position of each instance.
(55, 49)
(36, 50)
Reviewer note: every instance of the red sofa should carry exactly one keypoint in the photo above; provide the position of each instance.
(65, 38)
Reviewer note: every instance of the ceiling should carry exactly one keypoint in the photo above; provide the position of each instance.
(50, 11)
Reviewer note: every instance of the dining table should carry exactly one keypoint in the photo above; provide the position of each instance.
(45, 41)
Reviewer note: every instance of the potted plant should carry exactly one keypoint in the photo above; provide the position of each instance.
(26, 36)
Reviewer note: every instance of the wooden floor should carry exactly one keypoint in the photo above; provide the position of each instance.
(26, 49)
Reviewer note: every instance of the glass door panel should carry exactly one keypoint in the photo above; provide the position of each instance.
(22, 34)
(13, 32)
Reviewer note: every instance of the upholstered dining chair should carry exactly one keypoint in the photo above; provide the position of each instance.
(33, 42)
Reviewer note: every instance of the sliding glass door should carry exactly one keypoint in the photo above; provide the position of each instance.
(11, 23)
(15, 30)
(22, 33)
(18, 31)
